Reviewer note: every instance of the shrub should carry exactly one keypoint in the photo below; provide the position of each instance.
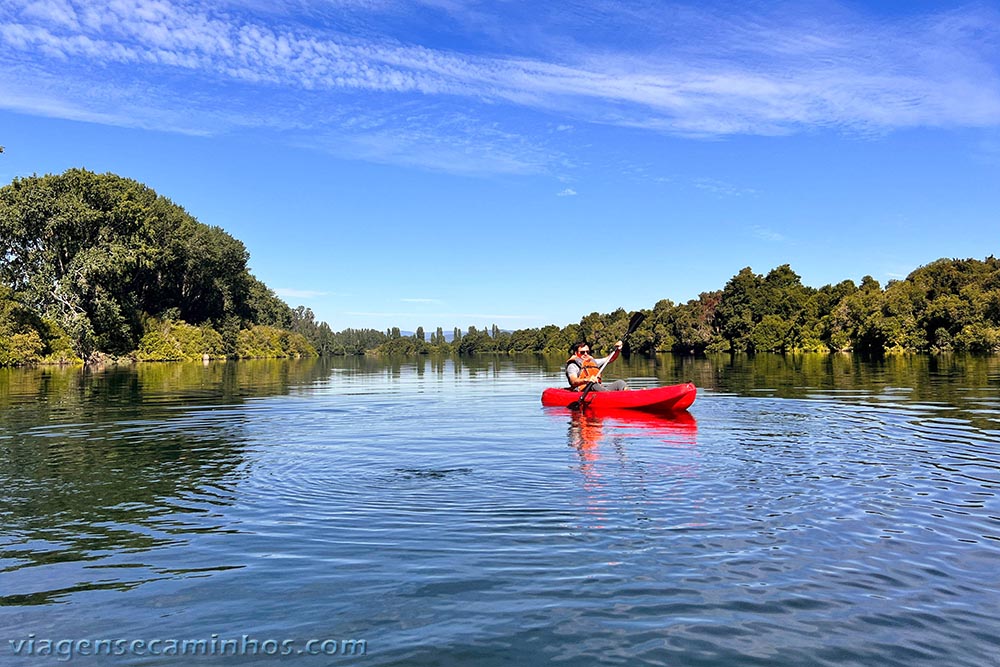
(264, 342)
(178, 341)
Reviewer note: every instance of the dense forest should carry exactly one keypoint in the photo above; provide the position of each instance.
(94, 266)
(948, 305)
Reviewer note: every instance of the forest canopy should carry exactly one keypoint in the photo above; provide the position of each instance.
(948, 305)
(96, 264)
(102, 262)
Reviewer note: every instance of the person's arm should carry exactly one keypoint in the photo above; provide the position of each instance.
(611, 357)
(572, 374)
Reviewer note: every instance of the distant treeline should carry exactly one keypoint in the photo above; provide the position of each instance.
(948, 305)
(94, 266)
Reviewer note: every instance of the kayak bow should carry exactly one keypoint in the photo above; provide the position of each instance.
(672, 398)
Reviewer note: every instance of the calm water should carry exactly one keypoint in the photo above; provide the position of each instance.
(808, 511)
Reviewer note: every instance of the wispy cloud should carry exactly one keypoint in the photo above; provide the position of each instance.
(568, 192)
(722, 188)
(420, 300)
(768, 234)
(433, 135)
(197, 67)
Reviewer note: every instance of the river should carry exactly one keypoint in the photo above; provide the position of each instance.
(808, 510)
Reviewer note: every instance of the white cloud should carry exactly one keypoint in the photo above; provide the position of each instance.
(57, 12)
(568, 192)
(198, 68)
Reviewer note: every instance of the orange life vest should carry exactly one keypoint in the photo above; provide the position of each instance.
(588, 369)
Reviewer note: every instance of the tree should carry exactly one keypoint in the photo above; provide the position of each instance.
(735, 314)
(99, 254)
(357, 341)
(656, 332)
(475, 342)
(26, 338)
(770, 334)
(693, 325)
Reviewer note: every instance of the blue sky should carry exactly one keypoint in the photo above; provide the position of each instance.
(462, 162)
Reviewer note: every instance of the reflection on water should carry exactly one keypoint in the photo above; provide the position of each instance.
(99, 467)
(602, 439)
(809, 510)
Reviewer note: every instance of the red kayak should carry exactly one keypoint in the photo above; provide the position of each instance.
(673, 398)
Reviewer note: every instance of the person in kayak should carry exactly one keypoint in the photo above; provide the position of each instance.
(583, 369)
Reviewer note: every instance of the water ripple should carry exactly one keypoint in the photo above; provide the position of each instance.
(439, 511)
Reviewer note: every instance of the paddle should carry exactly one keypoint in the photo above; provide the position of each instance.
(633, 324)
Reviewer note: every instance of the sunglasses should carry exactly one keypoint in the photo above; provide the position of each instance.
(584, 351)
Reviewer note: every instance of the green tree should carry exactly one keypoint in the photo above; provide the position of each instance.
(319, 334)
(27, 338)
(475, 342)
(98, 254)
(734, 315)
(771, 334)
(693, 325)
(357, 341)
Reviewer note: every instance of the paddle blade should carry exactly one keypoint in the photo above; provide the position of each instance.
(580, 403)
(637, 319)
